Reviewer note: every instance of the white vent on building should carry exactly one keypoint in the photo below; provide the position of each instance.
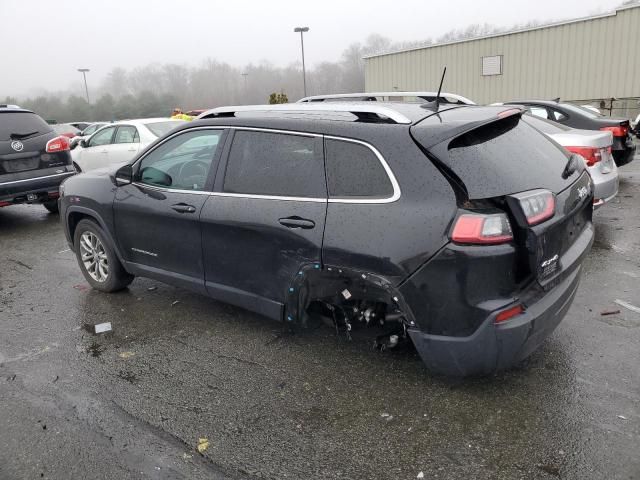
(492, 65)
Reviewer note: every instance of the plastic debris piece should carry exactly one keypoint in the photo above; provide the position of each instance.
(102, 327)
(628, 306)
(203, 444)
(420, 475)
(346, 294)
(151, 289)
(609, 312)
(82, 288)
(622, 417)
(175, 302)
(186, 456)
(126, 355)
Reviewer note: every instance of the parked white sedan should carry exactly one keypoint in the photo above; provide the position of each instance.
(119, 142)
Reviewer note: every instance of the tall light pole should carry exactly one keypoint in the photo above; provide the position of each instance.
(304, 72)
(245, 75)
(84, 74)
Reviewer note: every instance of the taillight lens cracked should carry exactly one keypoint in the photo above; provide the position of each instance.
(537, 205)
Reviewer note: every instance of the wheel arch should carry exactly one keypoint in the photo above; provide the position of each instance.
(75, 214)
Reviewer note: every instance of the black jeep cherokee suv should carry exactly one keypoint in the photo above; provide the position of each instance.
(33, 159)
(463, 229)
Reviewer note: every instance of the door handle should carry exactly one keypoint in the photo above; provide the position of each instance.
(104, 151)
(183, 208)
(297, 222)
(133, 150)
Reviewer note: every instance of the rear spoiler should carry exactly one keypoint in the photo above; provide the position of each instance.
(454, 122)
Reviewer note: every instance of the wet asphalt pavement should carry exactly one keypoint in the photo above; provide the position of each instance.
(135, 402)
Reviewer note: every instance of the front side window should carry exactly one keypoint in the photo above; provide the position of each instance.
(183, 162)
(127, 134)
(354, 170)
(102, 137)
(275, 164)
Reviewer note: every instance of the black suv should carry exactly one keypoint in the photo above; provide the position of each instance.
(33, 159)
(463, 229)
(575, 116)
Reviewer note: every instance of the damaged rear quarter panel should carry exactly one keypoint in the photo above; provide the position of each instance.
(392, 240)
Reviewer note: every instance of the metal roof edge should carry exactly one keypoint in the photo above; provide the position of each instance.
(505, 33)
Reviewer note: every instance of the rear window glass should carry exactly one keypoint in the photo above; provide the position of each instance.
(161, 128)
(581, 110)
(507, 156)
(265, 163)
(545, 126)
(21, 125)
(353, 170)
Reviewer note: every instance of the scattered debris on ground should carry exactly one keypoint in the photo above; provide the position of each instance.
(203, 444)
(126, 355)
(102, 327)
(609, 312)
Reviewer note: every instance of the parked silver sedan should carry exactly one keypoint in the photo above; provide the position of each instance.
(594, 146)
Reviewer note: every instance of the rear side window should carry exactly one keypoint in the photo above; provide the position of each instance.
(21, 125)
(278, 164)
(354, 170)
(127, 134)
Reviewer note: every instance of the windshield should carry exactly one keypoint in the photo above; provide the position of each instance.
(65, 128)
(21, 125)
(162, 128)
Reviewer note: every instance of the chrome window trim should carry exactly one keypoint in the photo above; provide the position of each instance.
(394, 182)
(34, 179)
(387, 169)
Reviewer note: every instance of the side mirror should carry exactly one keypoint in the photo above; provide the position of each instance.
(123, 176)
(84, 143)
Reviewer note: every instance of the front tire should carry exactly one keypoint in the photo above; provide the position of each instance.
(97, 258)
(51, 205)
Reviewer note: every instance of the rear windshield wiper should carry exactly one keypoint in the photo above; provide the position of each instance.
(571, 167)
(21, 136)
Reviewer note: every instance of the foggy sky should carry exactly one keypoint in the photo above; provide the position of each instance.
(43, 42)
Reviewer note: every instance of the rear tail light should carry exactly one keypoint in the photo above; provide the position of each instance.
(617, 131)
(479, 229)
(4, 204)
(537, 205)
(58, 144)
(508, 313)
(592, 155)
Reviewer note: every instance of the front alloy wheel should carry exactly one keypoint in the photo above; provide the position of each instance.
(94, 257)
(97, 259)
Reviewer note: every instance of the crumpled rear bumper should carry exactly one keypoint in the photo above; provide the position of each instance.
(496, 347)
